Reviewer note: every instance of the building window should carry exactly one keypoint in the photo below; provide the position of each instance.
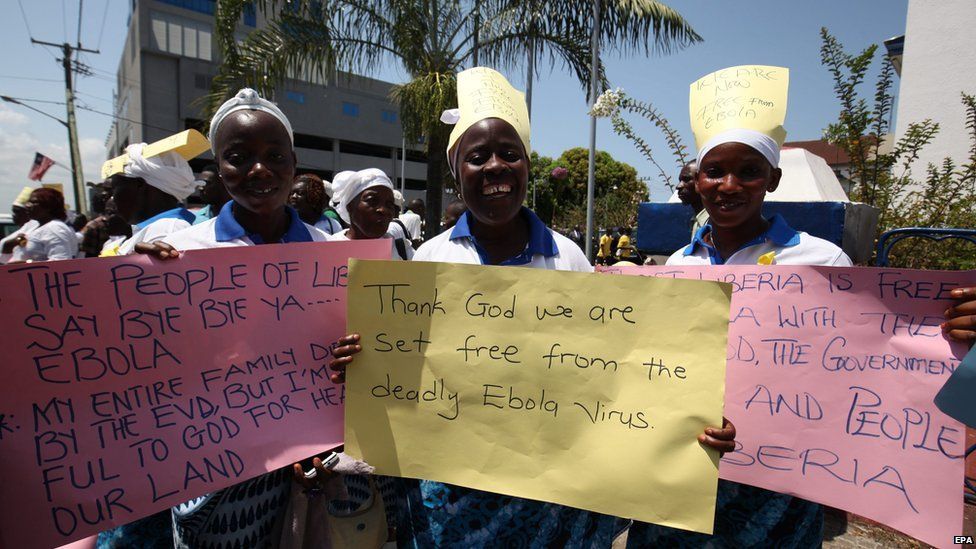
(180, 36)
(295, 97)
(350, 109)
(390, 117)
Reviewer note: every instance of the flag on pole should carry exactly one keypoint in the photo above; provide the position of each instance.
(40, 167)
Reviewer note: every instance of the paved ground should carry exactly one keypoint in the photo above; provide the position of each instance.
(843, 530)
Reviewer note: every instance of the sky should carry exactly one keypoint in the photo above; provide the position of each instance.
(765, 32)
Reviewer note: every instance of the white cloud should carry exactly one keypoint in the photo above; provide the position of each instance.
(12, 119)
(17, 147)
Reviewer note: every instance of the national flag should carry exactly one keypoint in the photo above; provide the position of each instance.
(41, 165)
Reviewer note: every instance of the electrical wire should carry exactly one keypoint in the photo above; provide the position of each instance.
(24, 15)
(102, 29)
(12, 77)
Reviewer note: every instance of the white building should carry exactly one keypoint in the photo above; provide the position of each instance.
(938, 64)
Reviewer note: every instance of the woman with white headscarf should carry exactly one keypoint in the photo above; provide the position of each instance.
(737, 166)
(366, 202)
(252, 142)
(149, 192)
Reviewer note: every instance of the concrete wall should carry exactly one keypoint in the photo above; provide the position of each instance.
(937, 66)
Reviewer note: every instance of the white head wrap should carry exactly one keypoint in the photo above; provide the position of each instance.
(398, 198)
(247, 99)
(765, 145)
(348, 185)
(167, 171)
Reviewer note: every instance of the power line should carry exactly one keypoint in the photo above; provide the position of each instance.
(36, 100)
(24, 15)
(12, 77)
(102, 29)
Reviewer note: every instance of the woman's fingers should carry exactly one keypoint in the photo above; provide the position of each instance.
(159, 250)
(722, 439)
(347, 346)
(960, 321)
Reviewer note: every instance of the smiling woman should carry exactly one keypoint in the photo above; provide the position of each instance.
(489, 155)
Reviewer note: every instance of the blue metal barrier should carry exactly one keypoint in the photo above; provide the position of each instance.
(889, 238)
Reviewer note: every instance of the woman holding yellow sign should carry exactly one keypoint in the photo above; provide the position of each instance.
(488, 153)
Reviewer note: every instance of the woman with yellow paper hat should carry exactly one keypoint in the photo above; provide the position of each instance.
(738, 163)
(488, 153)
(150, 186)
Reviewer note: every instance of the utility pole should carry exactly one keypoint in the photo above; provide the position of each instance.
(67, 51)
(594, 93)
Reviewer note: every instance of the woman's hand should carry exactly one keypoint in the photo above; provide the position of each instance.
(722, 439)
(158, 249)
(342, 356)
(8, 247)
(960, 321)
(317, 481)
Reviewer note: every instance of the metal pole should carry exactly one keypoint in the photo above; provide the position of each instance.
(529, 76)
(594, 82)
(403, 166)
(81, 201)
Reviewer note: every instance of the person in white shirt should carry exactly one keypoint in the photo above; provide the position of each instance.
(148, 194)
(9, 245)
(488, 153)
(52, 239)
(736, 168)
(732, 181)
(253, 143)
(365, 201)
(413, 220)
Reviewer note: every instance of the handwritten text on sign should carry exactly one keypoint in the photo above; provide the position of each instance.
(131, 384)
(830, 382)
(529, 382)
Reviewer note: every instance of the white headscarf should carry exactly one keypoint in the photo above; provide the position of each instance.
(167, 171)
(398, 198)
(348, 185)
(247, 99)
(765, 145)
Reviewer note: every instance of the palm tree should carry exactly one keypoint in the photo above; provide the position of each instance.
(431, 40)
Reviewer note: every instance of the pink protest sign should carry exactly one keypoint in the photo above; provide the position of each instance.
(830, 382)
(132, 384)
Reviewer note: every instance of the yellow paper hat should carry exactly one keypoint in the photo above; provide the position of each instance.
(743, 100)
(23, 197)
(188, 144)
(485, 93)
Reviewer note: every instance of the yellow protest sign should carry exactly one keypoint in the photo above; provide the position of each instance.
(188, 144)
(554, 386)
(750, 97)
(485, 93)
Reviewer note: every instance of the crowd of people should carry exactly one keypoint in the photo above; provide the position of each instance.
(252, 196)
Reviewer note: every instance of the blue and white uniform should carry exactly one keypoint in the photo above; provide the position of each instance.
(224, 231)
(787, 246)
(157, 227)
(546, 249)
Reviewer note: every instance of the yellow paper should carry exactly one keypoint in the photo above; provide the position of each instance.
(56, 186)
(485, 93)
(593, 426)
(748, 96)
(23, 197)
(188, 144)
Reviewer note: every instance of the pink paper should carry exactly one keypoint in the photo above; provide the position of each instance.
(823, 404)
(132, 384)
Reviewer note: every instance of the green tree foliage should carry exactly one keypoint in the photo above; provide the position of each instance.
(430, 40)
(889, 181)
(616, 194)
